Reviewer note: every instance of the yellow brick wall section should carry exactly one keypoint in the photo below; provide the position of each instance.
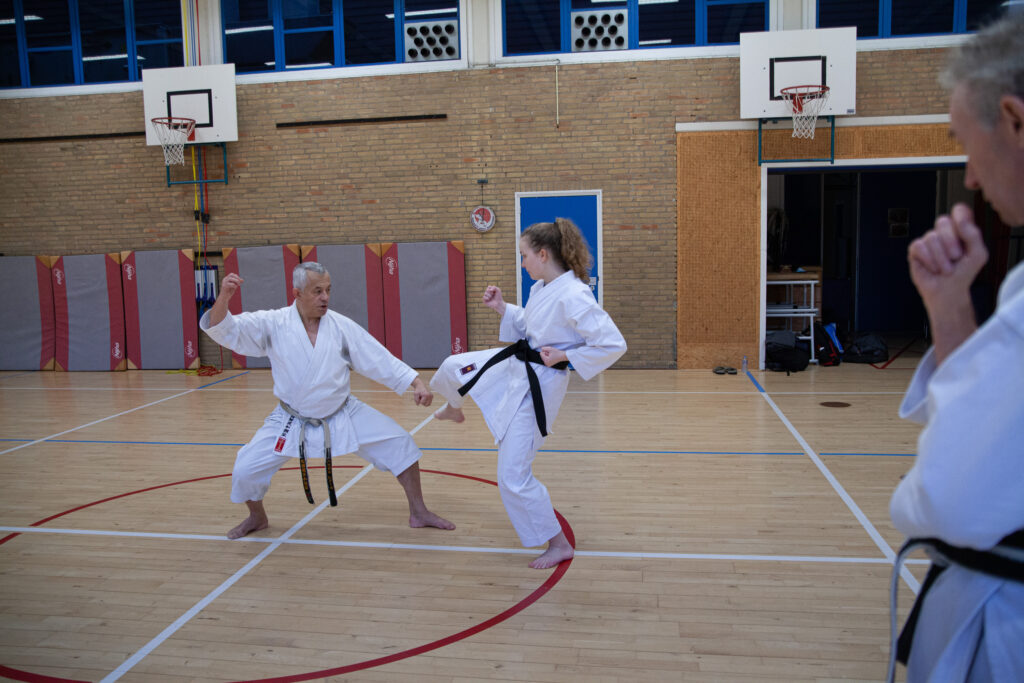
(415, 181)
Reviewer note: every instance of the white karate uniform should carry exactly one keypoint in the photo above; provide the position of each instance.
(967, 488)
(314, 381)
(562, 314)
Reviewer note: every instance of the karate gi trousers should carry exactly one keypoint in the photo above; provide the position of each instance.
(380, 441)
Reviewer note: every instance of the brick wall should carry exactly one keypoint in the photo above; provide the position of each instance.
(414, 181)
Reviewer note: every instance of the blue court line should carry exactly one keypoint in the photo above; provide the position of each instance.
(27, 372)
(759, 387)
(224, 380)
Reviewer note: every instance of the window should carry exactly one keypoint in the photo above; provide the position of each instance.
(541, 26)
(278, 35)
(892, 18)
(71, 42)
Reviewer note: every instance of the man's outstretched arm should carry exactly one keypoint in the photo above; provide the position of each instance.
(228, 287)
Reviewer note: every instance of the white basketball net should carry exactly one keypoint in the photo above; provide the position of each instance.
(173, 133)
(807, 101)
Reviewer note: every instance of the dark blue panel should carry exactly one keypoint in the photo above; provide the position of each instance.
(914, 17)
(369, 32)
(236, 13)
(886, 298)
(982, 12)
(251, 51)
(307, 13)
(10, 71)
(160, 55)
(431, 9)
(532, 26)
(860, 13)
(727, 22)
(52, 67)
(309, 47)
(157, 20)
(677, 23)
(52, 28)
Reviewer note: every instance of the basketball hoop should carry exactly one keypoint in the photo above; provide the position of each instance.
(174, 132)
(807, 101)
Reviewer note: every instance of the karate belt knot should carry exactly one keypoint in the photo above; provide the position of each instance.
(524, 352)
(315, 422)
(1004, 561)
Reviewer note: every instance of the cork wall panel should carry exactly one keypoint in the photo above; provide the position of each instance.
(719, 248)
(862, 142)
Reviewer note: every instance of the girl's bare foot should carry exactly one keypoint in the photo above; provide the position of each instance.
(447, 412)
(558, 551)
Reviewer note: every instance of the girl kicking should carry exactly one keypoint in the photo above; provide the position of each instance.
(520, 388)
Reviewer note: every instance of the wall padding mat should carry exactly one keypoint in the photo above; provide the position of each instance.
(89, 312)
(161, 326)
(356, 287)
(267, 275)
(27, 338)
(424, 301)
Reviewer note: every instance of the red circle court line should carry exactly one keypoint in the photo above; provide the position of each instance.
(539, 592)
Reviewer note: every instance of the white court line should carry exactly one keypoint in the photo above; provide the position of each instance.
(385, 545)
(267, 390)
(198, 607)
(854, 508)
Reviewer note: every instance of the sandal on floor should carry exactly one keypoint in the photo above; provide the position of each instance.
(719, 370)
(730, 371)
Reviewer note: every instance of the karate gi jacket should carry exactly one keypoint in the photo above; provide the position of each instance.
(314, 380)
(562, 314)
(967, 488)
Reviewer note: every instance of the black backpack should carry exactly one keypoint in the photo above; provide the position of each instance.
(825, 349)
(781, 353)
(866, 347)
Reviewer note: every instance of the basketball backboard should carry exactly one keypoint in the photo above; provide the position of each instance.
(203, 93)
(772, 60)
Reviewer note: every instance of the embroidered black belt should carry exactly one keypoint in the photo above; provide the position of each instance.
(315, 422)
(524, 352)
(1004, 561)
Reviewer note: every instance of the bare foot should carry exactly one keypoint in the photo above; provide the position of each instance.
(428, 518)
(449, 413)
(249, 525)
(558, 551)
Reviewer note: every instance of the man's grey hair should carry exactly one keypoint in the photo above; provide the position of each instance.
(300, 276)
(990, 65)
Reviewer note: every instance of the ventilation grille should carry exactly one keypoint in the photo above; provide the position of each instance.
(599, 30)
(428, 41)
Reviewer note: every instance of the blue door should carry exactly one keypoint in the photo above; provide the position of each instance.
(583, 208)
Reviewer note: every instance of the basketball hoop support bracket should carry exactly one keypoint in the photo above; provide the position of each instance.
(203, 180)
(831, 158)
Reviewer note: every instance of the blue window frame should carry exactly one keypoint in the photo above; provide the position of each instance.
(546, 26)
(279, 35)
(73, 42)
(898, 18)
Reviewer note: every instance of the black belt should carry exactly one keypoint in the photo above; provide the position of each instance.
(521, 350)
(1004, 561)
(316, 422)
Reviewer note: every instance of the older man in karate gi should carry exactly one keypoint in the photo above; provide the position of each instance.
(311, 350)
(965, 492)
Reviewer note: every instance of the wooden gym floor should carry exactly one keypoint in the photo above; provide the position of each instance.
(728, 528)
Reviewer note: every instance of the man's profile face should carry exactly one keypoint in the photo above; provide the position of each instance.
(312, 299)
(995, 163)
